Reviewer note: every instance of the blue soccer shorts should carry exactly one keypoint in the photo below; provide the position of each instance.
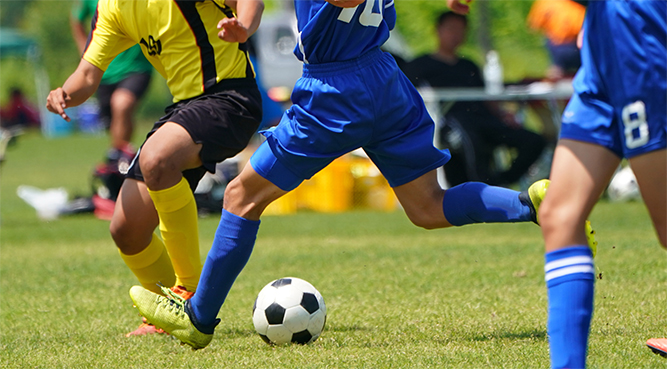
(338, 107)
(620, 90)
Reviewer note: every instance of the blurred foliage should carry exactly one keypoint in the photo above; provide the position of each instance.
(11, 12)
(521, 51)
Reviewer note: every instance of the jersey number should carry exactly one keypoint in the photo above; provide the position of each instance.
(636, 127)
(367, 17)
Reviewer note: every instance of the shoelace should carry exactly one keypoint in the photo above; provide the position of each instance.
(173, 300)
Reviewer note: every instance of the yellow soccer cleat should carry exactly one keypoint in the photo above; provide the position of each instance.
(146, 328)
(590, 237)
(533, 199)
(169, 313)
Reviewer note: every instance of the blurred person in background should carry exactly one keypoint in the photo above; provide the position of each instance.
(18, 112)
(481, 126)
(560, 21)
(122, 86)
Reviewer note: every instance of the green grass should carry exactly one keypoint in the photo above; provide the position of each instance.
(397, 296)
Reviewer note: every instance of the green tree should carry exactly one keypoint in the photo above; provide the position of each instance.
(500, 23)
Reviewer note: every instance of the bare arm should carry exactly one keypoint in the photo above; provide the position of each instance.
(458, 6)
(78, 88)
(248, 16)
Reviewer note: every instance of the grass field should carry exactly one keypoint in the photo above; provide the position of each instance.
(397, 296)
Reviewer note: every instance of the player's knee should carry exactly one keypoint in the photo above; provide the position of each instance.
(238, 200)
(554, 217)
(155, 167)
(424, 219)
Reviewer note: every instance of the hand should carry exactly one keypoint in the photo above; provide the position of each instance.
(345, 3)
(232, 31)
(56, 102)
(458, 6)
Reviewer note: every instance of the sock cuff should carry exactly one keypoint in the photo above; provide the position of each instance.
(454, 198)
(570, 263)
(172, 198)
(147, 256)
(234, 221)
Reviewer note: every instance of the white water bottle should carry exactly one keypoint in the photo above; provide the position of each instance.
(493, 74)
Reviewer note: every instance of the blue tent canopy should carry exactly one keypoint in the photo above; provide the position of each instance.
(12, 42)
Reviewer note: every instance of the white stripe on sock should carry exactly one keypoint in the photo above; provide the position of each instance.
(573, 260)
(569, 270)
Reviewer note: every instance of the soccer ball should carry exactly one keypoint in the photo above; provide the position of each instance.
(289, 310)
(623, 186)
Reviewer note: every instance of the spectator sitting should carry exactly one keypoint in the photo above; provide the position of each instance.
(19, 112)
(483, 125)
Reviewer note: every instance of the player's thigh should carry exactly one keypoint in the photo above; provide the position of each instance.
(421, 199)
(172, 147)
(134, 219)
(579, 173)
(651, 172)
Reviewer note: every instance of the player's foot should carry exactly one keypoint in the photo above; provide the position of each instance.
(146, 328)
(533, 199)
(658, 345)
(534, 196)
(169, 312)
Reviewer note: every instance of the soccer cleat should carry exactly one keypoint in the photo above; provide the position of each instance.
(534, 196)
(168, 312)
(146, 328)
(658, 345)
(533, 199)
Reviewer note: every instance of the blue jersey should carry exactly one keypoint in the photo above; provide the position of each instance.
(328, 33)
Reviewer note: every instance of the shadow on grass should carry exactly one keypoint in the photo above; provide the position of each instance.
(533, 334)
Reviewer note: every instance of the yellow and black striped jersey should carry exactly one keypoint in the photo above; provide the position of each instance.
(179, 37)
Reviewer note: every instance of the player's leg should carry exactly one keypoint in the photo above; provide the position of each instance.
(133, 230)
(651, 172)
(247, 195)
(123, 103)
(429, 206)
(245, 198)
(579, 174)
(162, 159)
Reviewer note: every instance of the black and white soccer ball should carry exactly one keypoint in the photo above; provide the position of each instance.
(289, 310)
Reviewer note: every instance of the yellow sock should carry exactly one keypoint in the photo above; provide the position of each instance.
(177, 210)
(152, 266)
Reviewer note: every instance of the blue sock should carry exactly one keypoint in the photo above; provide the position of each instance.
(475, 202)
(232, 246)
(570, 278)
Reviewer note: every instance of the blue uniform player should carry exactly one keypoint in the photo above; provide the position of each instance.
(351, 95)
(617, 111)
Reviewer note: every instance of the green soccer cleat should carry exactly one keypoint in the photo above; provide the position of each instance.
(168, 313)
(533, 199)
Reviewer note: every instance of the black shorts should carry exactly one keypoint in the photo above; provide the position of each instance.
(137, 83)
(223, 122)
